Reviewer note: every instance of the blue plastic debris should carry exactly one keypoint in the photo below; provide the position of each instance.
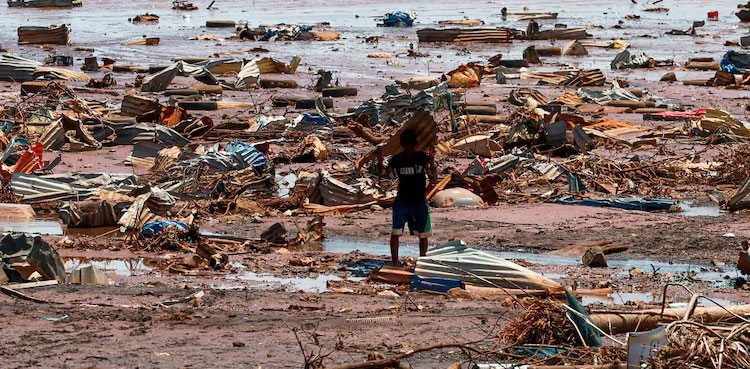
(6, 126)
(433, 285)
(290, 32)
(308, 122)
(152, 228)
(52, 319)
(575, 184)
(398, 19)
(269, 34)
(735, 62)
(633, 203)
(590, 335)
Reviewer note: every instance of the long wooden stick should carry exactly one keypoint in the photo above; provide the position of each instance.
(395, 360)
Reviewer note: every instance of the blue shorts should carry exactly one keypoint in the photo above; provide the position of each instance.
(417, 215)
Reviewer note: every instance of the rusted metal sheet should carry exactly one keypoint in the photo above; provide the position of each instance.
(159, 81)
(490, 35)
(55, 136)
(135, 105)
(593, 77)
(138, 214)
(334, 192)
(17, 69)
(558, 34)
(56, 35)
(250, 72)
(422, 123)
(61, 73)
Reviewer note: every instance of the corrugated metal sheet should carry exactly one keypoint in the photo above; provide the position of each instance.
(161, 80)
(248, 76)
(248, 154)
(236, 156)
(138, 214)
(593, 77)
(335, 192)
(88, 214)
(426, 128)
(133, 133)
(394, 103)
(112, 196)
(61, 73)
(80, 186)
(252, 70)
(549, 170)
(559, 34)
(491, 35)
(37, 189)
(449, 260)
(55, 136)
(44, 35)
(134, 105)
(16, 68)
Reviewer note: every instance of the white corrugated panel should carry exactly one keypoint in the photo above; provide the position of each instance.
(450, 260)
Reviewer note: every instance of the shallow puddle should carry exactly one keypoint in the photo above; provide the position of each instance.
(695, 209)
(120, 267)
(264, 281)
(42, 226)
(94, 232)
(621, 298)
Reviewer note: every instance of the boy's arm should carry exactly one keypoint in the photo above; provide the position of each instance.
(380, 162)
(388, 170)
(431, 167)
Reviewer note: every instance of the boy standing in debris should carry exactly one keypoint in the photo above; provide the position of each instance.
(412, 168)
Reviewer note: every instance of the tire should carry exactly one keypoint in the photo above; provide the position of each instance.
(181, 92)
(130, 69)
(219, 23)
(208, 89)
(514, 63)
(339, 91)
(310, 103)
(156, 68)
(480, 110)
(627, 104)
(277, 83)
(198, 105)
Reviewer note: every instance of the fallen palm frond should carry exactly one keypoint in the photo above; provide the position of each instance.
(694, 345)
(543, 323)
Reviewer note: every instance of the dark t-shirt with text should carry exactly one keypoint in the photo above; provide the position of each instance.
(411, 172)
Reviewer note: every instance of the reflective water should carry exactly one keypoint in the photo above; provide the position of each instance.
(119, 267)
(693, 208)
(37, 226)
(621, 298)
(103, 25)
(309, 284)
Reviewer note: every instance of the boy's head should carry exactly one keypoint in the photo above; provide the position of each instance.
(408, 139)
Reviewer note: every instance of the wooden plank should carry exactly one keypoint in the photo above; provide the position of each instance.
(21, 286)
